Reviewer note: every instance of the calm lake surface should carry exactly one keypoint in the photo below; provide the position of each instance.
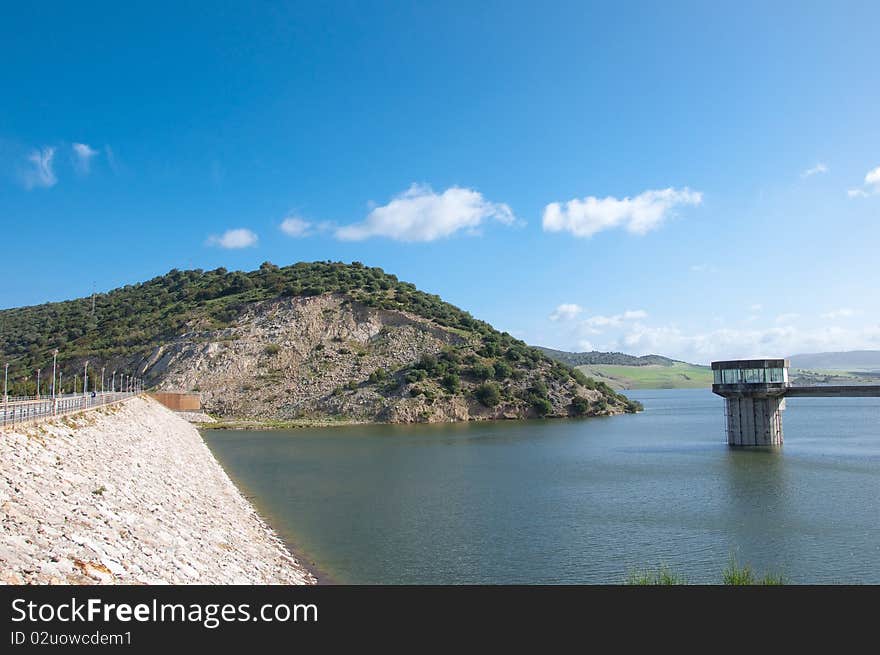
(574, 501)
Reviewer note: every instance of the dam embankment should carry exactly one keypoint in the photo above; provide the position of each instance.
(128, 494)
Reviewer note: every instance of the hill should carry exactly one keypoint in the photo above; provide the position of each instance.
(678, 375)
(597, 357)
(312, 340)
(622, 371)
(852, 360)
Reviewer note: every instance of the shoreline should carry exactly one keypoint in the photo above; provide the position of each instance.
(302, 558)
(130, 494)
(298, 424)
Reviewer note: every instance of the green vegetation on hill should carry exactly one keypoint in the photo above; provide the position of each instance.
(597, 357)
(129, 321)
(122, 327)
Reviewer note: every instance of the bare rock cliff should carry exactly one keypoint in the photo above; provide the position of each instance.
(328, 355)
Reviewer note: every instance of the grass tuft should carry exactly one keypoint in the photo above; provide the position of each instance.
(662, 576)
(743, 575)
(734, 575)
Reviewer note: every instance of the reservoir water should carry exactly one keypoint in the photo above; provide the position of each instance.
(574, 501)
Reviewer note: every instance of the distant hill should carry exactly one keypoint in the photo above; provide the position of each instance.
(622, 371)
(653, 376)
(852, 360)
(596, 357)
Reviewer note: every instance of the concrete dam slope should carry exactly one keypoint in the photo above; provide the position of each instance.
(128, 494)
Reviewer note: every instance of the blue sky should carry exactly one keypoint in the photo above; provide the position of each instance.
(700, 180)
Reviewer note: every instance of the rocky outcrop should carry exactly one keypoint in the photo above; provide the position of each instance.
(128, 494)
(319, 356)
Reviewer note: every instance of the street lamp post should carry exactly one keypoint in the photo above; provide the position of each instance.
(54, 359)
(102, 380)
(113, 383)
(38, 384)
(86, 378)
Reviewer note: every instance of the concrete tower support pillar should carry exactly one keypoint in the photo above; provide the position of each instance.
(754, 420)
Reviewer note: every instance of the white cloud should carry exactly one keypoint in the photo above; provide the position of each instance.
(585, 346)
(756, 307)
(233, 239)
(40, 173)
(731, 343)
(83, 157)
(420, 214)
(870, 187)
(818, 168)
(293, 226)
(843, 312)
(638, 215)
(787, 317)
(616, 319)
(566, 312)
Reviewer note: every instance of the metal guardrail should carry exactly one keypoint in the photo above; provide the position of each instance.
(17, 411)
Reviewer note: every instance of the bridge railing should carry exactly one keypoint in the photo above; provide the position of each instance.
(17, 411)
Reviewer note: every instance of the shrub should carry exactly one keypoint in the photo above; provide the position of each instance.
(422, 391)
(579, 377)
(378, 375)
(451, 382)
(488, 394)
(503, 370)
(427, 363)
(580, 406)
(482, 371)
(415, 375)
(450, 355)
(538, 389)
(272, 349)
(542, 406)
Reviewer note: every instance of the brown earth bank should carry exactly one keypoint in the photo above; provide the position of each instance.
(128, 494)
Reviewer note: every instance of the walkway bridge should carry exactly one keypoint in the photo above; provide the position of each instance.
(754, 392)
(15, 411)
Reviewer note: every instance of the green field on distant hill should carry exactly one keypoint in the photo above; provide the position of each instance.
(676, 376)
